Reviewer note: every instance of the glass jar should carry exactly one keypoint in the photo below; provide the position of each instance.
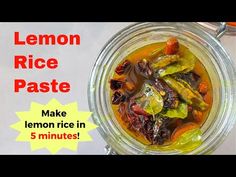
(205, 46)
(214, 27)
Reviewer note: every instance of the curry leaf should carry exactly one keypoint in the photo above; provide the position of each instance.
(150, 101)
(172, 69)
(180, 112)
(184, 64)
(164, 61)
(187, 142)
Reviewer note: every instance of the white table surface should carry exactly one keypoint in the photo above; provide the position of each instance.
(75, 65)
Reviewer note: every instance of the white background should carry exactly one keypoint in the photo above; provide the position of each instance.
(75, 65)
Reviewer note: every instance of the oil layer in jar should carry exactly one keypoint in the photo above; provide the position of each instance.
(161, 92)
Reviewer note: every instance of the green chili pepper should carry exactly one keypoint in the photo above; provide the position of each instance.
(187, 93)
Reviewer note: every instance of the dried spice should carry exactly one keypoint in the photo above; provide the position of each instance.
(118, 97)
(116, 84)
(172, 46)
(123, 67)
(144, 68)
(170, 96)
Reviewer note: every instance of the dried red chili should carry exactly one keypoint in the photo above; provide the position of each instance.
(123, 67)
(118, 97)
(116, 84)
(138, 110)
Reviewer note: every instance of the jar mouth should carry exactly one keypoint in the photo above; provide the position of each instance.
(210, 52)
